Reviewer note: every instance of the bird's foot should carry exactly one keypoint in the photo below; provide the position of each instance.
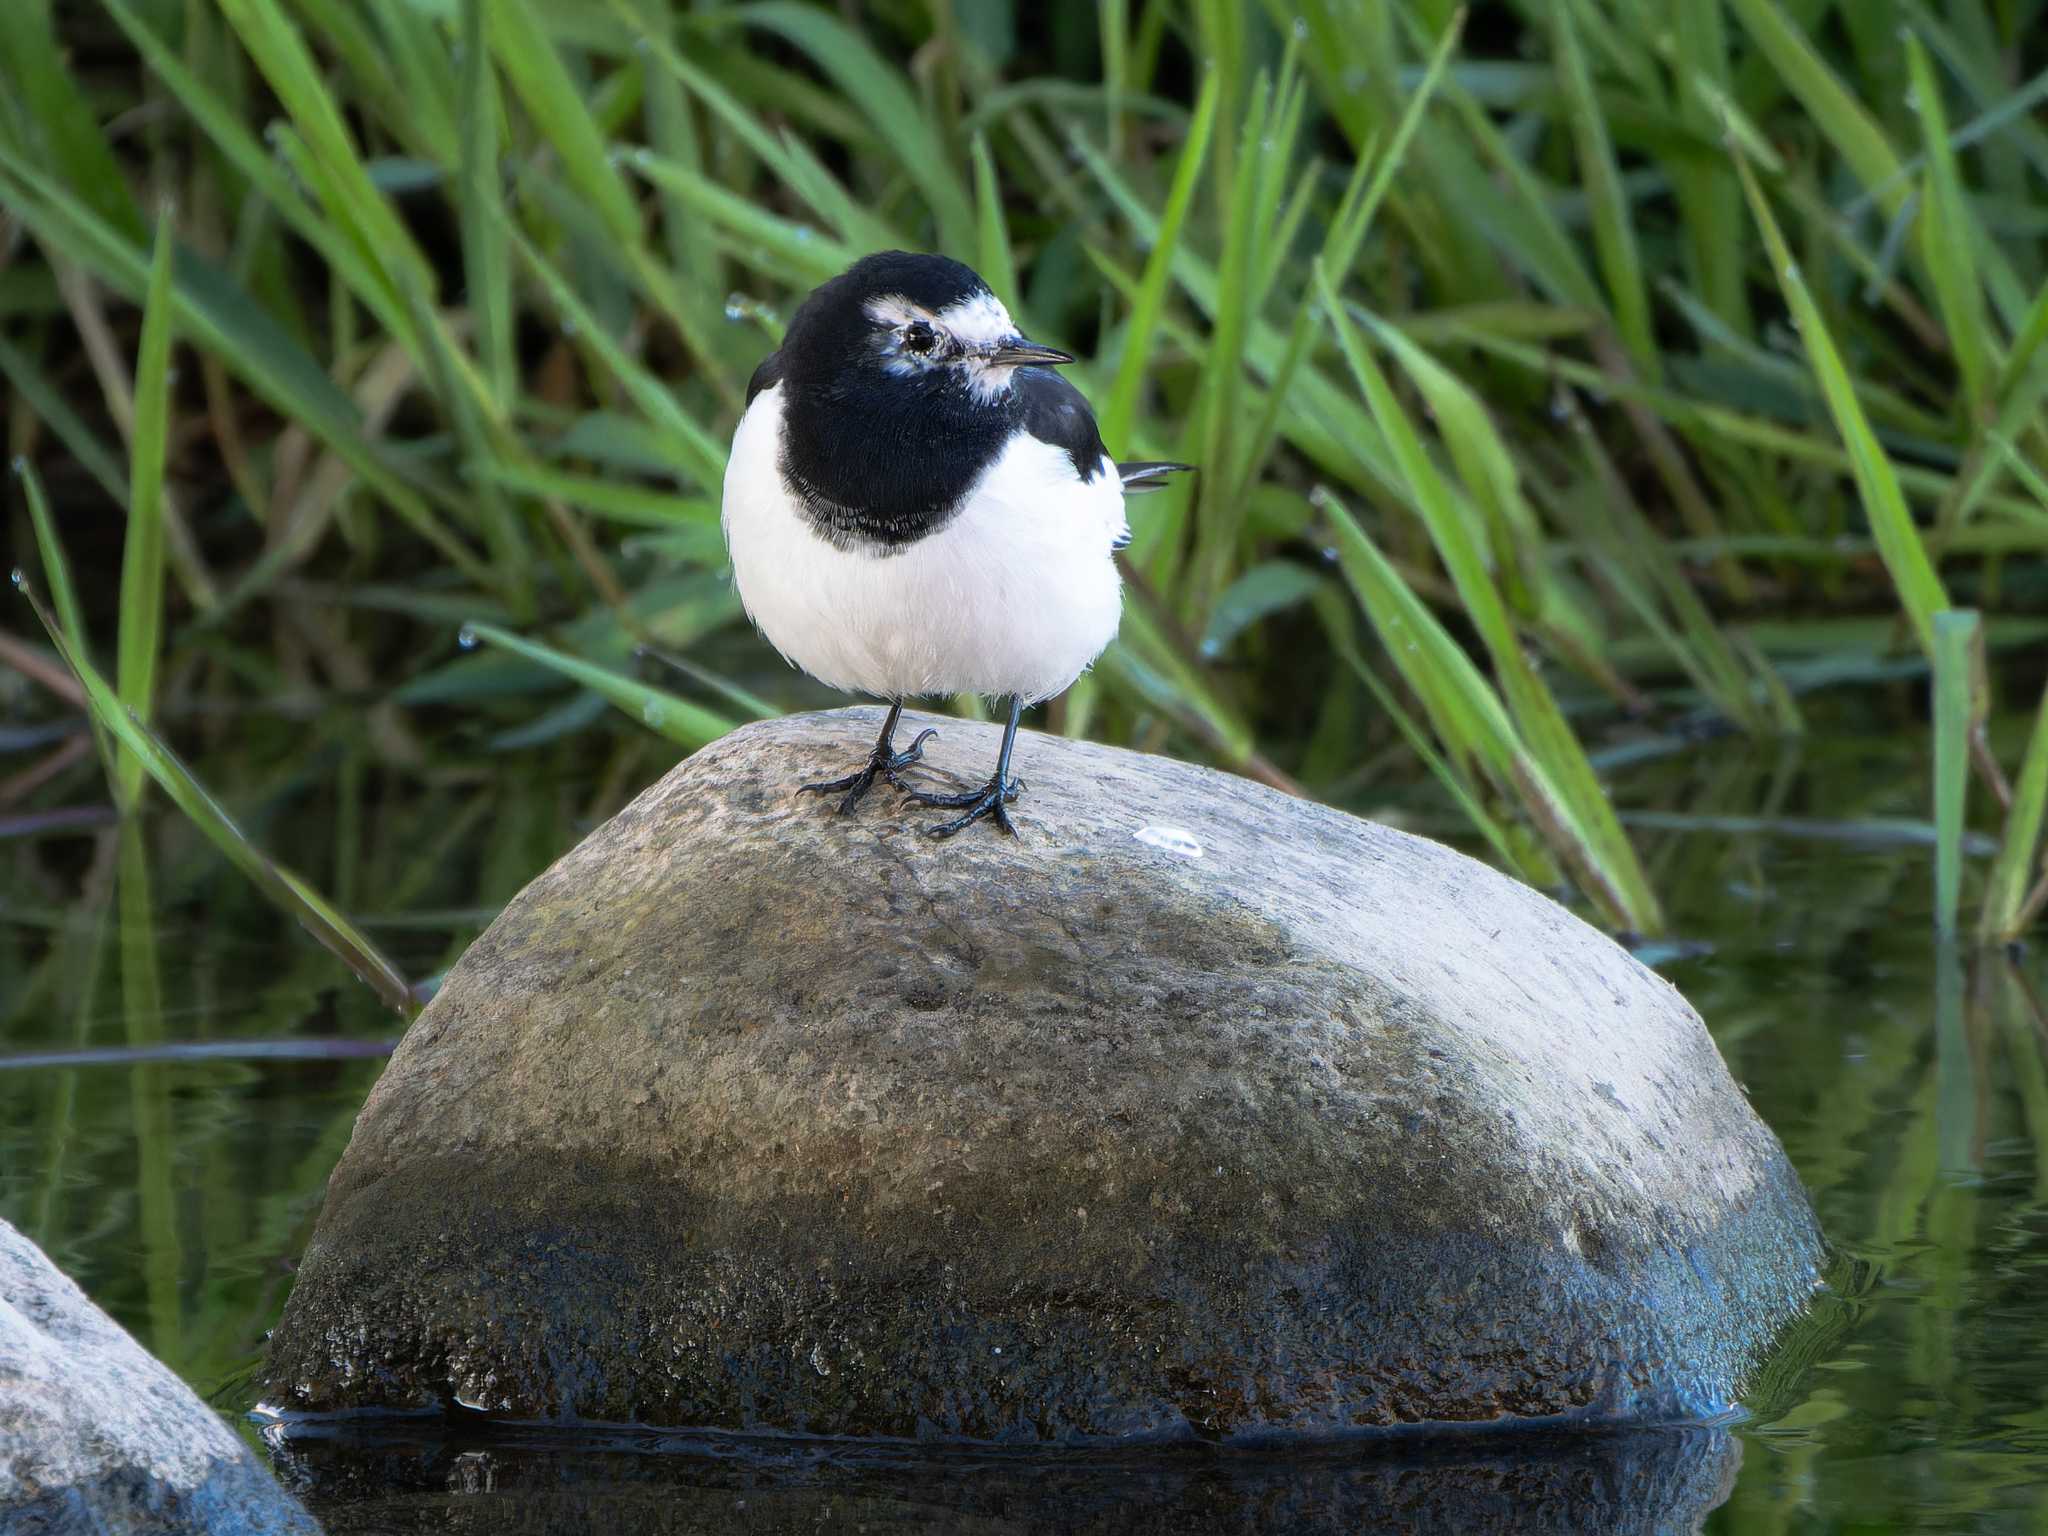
(883, 763)
(990, 802)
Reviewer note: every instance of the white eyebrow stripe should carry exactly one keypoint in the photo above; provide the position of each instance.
(896, 309)
(978, 321)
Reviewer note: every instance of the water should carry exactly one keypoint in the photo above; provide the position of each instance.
(1910, 1087)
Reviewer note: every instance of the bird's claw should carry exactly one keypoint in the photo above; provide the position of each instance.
(882, 764)
(989, 802)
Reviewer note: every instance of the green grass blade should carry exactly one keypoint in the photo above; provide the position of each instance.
(2005, 892)
(786, 156)
(807, 256)
(635, 506)
(149, 1112)
(672, 131)
(1948, 240)
(365, 73)
(1956, 634)
(2026, 350)
(60, 118)
(679, 720)
(1614, 237)
(1178, 682)
(1709, 195)
(50, 407)
(374, 228)
(1832, 105)
(1884, 503)
(911, 134)
(996, 264)
(63, 593)
(1348, 230)
(756, 707)
(486, 264)
(425, 88)
(1483, 461)
(56, 568)
(1463, 709)
(1447, 773)
(220, 121)
(1493, 195)
(142, 559)
(222, 318)
(551, 99)
(1133, 362)
(1596, 838)
(279, 884)
(1241, 190)
(691, 449)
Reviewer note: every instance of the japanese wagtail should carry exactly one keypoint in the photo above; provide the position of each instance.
(917, 504)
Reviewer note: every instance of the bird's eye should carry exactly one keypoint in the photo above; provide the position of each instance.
(919, 337)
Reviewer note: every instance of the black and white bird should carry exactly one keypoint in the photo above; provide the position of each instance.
(916, 504)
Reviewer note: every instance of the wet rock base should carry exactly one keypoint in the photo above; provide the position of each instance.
(431, 1477)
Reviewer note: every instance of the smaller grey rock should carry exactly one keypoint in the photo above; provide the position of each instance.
(96, 1435)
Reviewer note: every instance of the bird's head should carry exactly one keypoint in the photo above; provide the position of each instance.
(900, 320)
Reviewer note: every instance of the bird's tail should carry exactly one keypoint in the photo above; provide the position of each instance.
(1149, 475)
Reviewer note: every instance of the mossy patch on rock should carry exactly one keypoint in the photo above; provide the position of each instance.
(745, 1114)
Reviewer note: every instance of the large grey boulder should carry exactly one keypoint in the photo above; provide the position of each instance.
(1196, 1110)
(97, 1436)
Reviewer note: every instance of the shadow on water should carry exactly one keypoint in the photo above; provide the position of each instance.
(407, 1477)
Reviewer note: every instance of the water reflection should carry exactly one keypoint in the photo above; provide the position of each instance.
(417, 1478)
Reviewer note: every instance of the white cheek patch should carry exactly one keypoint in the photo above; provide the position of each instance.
(981, 322)
(987, 381)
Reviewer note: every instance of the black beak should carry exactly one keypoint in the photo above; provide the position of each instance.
(1018, 352)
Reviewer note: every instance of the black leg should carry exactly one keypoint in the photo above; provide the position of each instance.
(991, 800)
(885, 762)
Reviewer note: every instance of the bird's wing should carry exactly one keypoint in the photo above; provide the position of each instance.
(1055, 412)
(767, 376)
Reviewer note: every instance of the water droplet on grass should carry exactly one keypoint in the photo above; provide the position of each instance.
(466, 637)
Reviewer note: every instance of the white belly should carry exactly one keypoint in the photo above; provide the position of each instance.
(1016, 595)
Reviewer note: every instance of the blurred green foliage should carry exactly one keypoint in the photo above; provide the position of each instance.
(1569, 378)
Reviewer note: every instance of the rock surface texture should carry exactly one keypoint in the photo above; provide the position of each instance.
(1196, 1111)
(98, 1436)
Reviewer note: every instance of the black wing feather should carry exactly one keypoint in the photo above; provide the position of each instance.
(767, 376)
(1149, 474)
(1055, 412)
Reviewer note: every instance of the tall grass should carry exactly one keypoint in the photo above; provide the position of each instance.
(1596, 358)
